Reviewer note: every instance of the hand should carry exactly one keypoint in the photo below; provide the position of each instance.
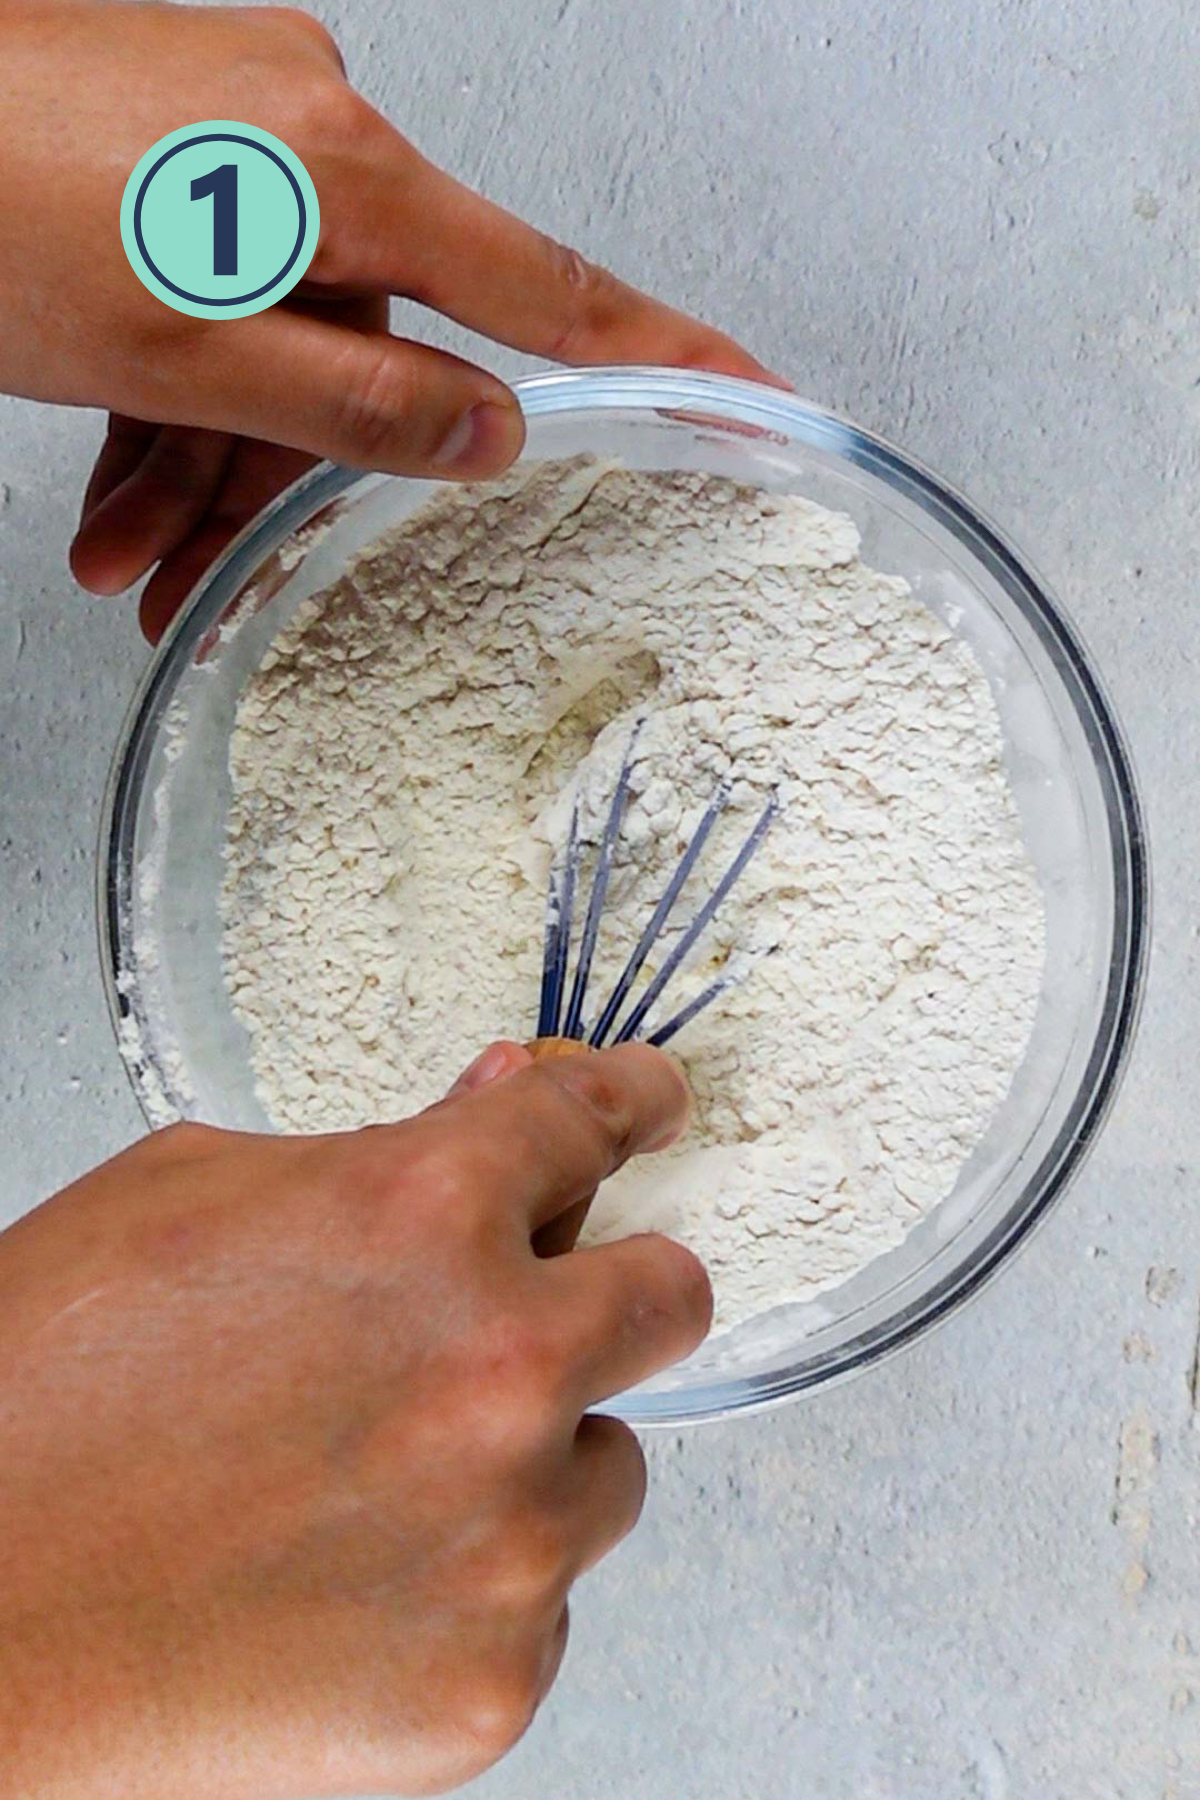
(88, 88)
(294, 1477)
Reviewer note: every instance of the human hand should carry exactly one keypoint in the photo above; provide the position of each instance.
(294, 1476)
(212, 418)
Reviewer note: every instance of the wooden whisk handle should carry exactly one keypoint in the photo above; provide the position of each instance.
(542, 1049)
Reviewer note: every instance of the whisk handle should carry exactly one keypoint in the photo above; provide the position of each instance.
(542, 1049)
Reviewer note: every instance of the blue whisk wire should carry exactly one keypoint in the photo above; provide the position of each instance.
(560, 905)
(730, 979)
(700, 922)
(658, 917)
(563, 889)
(573, 1023)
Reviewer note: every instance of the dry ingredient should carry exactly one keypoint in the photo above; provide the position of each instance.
(406, 756)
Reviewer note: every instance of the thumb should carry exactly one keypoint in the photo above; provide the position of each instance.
(498, 1060)
(362, 398)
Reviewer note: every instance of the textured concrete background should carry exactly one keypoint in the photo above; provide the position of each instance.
(972, 1575)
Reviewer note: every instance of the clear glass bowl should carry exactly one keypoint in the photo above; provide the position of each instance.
(160, 855)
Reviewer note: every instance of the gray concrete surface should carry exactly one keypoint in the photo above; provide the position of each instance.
(973, 1574)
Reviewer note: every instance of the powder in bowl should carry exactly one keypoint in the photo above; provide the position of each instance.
(406, 756)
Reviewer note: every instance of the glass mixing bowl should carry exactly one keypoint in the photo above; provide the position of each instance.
(161, 863)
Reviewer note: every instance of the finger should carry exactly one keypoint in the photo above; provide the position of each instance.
(362, 398)
(124, 446)
(637, 1306)
(490, 271)
(497, 1061)
(545, 1138)
(559, 1234)
(417, 231)
(178, 574)
(254, 475)
(150, 513)
(606, 1489)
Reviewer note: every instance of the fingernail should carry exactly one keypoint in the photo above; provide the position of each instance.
(673, 1132)
(496, 1060)
(482, 442)
(670, 1135)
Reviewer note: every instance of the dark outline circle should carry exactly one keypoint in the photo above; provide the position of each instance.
(217, 137)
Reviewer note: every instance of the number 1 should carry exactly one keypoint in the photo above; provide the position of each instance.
(221, 183)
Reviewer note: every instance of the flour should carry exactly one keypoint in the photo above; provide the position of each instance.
(406, 757)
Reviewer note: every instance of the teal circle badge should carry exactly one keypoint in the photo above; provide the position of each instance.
(220, 219)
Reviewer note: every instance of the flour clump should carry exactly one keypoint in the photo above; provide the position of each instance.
(406, 757)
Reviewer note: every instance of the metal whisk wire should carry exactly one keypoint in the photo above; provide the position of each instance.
(560, 908)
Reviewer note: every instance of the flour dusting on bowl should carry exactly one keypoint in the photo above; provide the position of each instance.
(405, 757)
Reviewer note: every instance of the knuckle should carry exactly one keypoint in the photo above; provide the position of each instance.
(325, 113)
(516, 1374)
(166, 349)
(434, 1176)
(333, 261)
(388, 1188)
(620, 1440)
(675, 1292)
(530, 1562)
(293, 26)
(602, 1099)
(298, 20)
(617, 1445)
(687, 1279)
(497, 1708)
(345, 116)
(485, 1704)
(588, 293)
(375, 402)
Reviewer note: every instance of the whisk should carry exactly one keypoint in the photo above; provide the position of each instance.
(563, 1027)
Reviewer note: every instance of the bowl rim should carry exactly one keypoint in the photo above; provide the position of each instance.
(765, 411)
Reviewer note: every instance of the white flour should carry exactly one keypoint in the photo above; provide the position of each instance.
(408, 752)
